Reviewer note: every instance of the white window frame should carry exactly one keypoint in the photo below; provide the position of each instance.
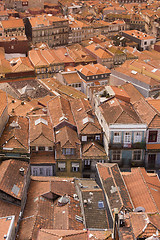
(128, 137)
(137, 152)
(61, 166)
(75, 167)
(97, 137)
(117, 137)
(87, 162)
(117, 153)
(101, 161)
(137, 137)
(84, 138)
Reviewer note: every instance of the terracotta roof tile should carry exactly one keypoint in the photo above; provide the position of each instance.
(3, 100)
(133, 93)
(155, 103)
(16, 136)
(8, 209)
(144, 225)
(42, 158)
(139, 191)
(67, 135)
(71, 78)
(98, 51)
(52, 234)
(12, 23)
(94, 150)
(7, 183)
(144, 110)
(60, 110)
(114, 186)
(85, 119)
(118, 111)
(40, 126)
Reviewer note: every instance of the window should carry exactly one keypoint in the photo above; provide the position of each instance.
(152, 136)
(48, 172)
(127, 137)
(151, 160)
(100, 161)
(100, 204)
(75, 167)
(145, 43)
(137, 155)
(68, 151)
(35, 172)
(84, 138)
(137, 137)
(50, 148)
(61, 166)
(41, 148)
(41, 171)
(97, 137)
(33, 148)
(87, 162)
(117, 137)
(116, 155)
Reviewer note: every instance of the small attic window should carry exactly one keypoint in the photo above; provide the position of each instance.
(100, 204)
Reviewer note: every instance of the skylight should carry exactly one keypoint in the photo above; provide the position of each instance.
(100, 204)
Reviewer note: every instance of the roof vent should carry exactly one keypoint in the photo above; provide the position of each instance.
(5, 236)
(139, 209)
(14, 125)
(63, 200)
(21, 171)
(44, 110)
(133, 72)
(79, 219)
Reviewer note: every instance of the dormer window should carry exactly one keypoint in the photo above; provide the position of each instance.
(68, 151)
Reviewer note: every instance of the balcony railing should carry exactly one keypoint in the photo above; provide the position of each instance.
(138, 145)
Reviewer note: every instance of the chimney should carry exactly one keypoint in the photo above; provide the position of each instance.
(21, 171)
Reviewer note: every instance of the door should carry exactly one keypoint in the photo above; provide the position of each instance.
(151, 160)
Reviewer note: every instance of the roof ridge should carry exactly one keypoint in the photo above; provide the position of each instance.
(126, 188)
(116, 187)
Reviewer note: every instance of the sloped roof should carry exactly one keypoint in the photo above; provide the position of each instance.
(43, 211)
(67, 134)
(3, 100)
(13, 185)
(114, 186)
(41, 127)
(52, 234)
(144, 110)
(85, 119)
(93, 149)
(133, 93)
(15, 137)
(140, 190)
(60, 110)
(118, 111)
(144, 225)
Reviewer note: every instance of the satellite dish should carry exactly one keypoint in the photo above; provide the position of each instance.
(139, 209)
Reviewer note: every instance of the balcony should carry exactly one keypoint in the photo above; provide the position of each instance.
(138, 145)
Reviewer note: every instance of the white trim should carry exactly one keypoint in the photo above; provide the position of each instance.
(131, 127)
(146, 89)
